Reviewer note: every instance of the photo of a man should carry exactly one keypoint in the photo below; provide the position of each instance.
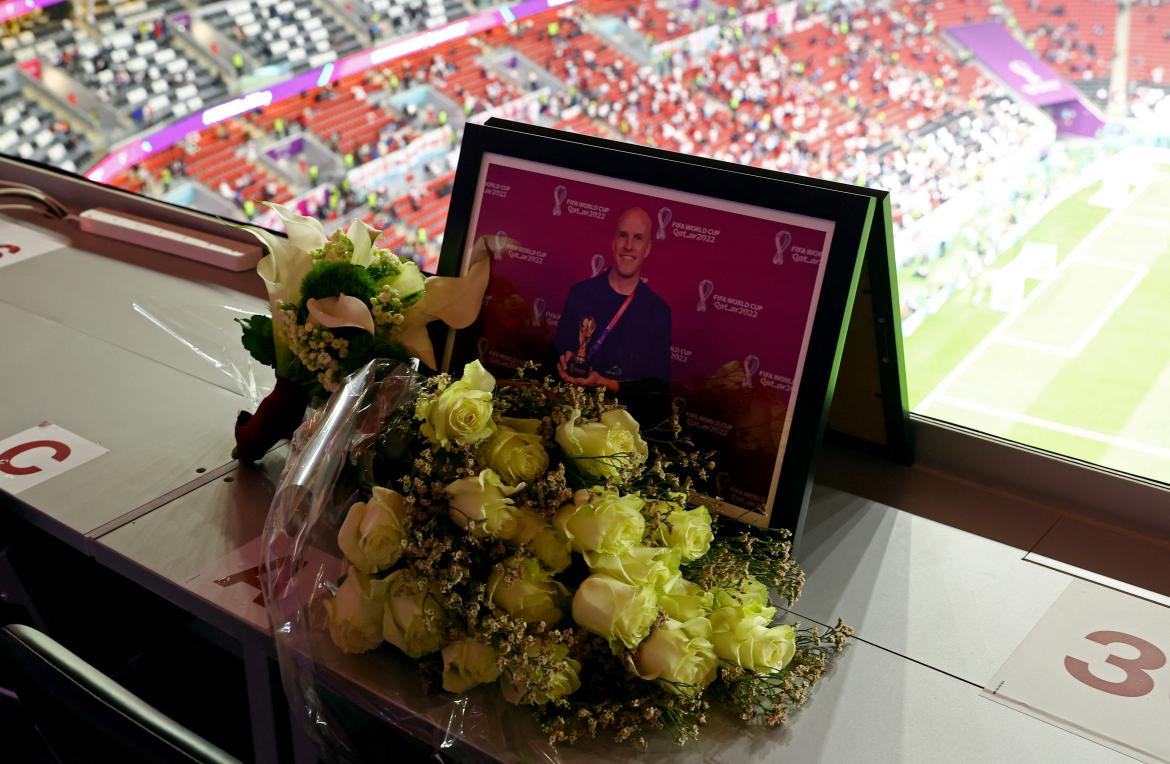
(614, 328)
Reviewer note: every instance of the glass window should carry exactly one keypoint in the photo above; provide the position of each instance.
(1029, 159)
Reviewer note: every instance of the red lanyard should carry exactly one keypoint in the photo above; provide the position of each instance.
(593, 348)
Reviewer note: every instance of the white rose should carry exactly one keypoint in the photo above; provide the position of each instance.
(412, 621)
(688, 531)
(607, 523)
(683, 600)
(373, 533)
(518, 457)
(408, 280)
(743, 636)
(484, 499)
(641, 565)
(680, 656)
(749, 593)
(539, 538)
(467, 663)
(462, 413)
(524, 589)
(558, 679)
(355, 612)
(620, 612)
(603, 449)
(551, 548)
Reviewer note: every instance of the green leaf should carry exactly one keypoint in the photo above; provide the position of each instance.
(258, 340)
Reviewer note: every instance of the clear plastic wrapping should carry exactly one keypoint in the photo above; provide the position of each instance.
(347, 701)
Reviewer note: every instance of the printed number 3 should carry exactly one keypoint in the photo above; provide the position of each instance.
(1137, 682)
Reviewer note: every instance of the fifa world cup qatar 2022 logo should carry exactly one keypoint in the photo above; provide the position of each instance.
(783, 241)
(706, 289)
(560, 193)
(663, 221)
(538, 306)
(597, 264)
(751, 364)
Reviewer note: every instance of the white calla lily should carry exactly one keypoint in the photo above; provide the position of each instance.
(362, 237)
(341, 311)
(304, 233)
(456, 301)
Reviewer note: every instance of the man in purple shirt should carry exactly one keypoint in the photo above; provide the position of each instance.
(614, 328)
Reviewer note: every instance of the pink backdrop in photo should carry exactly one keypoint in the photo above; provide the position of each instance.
(739, 288)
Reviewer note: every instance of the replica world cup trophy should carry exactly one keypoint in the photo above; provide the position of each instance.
(538, 306)
(579, 365)
(560, 193)
(706, 289)
(663, 221)
(783, 241)
(501, 245)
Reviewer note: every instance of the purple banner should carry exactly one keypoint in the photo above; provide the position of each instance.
(1076, 118)
(287, 149)
(1015, 65)
(139, 149)
(13, 8)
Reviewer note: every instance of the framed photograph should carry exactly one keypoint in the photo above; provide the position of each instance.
(676, 285)
(870, 408)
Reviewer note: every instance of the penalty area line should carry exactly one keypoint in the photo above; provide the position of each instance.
(1079, 432)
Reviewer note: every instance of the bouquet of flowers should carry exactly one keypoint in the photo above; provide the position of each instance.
(338, 302)
(530, 536)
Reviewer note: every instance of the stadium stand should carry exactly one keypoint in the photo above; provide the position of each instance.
(392, 18)
(872, 93)
(128, 60)
(656, 21)
(19, 36)
(1149, 41)
(1075, 36)
(31, 131)
(298, 33)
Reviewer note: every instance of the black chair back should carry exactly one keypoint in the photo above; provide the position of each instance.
(83, 715)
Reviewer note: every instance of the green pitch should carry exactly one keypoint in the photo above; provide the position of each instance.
(1080, 366)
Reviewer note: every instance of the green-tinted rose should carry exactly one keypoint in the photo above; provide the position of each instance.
(462, 413)
(620, 612)
(743, 636)
(687, 531)
(683, 600)
(603, 449)
(484, 499)
(412, 621)
(355, 612)
(518, 457)
(524, 589)
(407, 280)
(750, 592)
(373, 534)
(607, 522)
(467, 663)
(679, 655)
(642, 565)
(539, 538)
(559, 679)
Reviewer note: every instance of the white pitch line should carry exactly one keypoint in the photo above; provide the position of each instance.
(1038, 347)
(1104, 316)
(1118, 265)
(1001, 327)
(1111, 440)
(1144, 222)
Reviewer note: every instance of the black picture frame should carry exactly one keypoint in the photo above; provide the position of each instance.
(851, 214)
(870, 410)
